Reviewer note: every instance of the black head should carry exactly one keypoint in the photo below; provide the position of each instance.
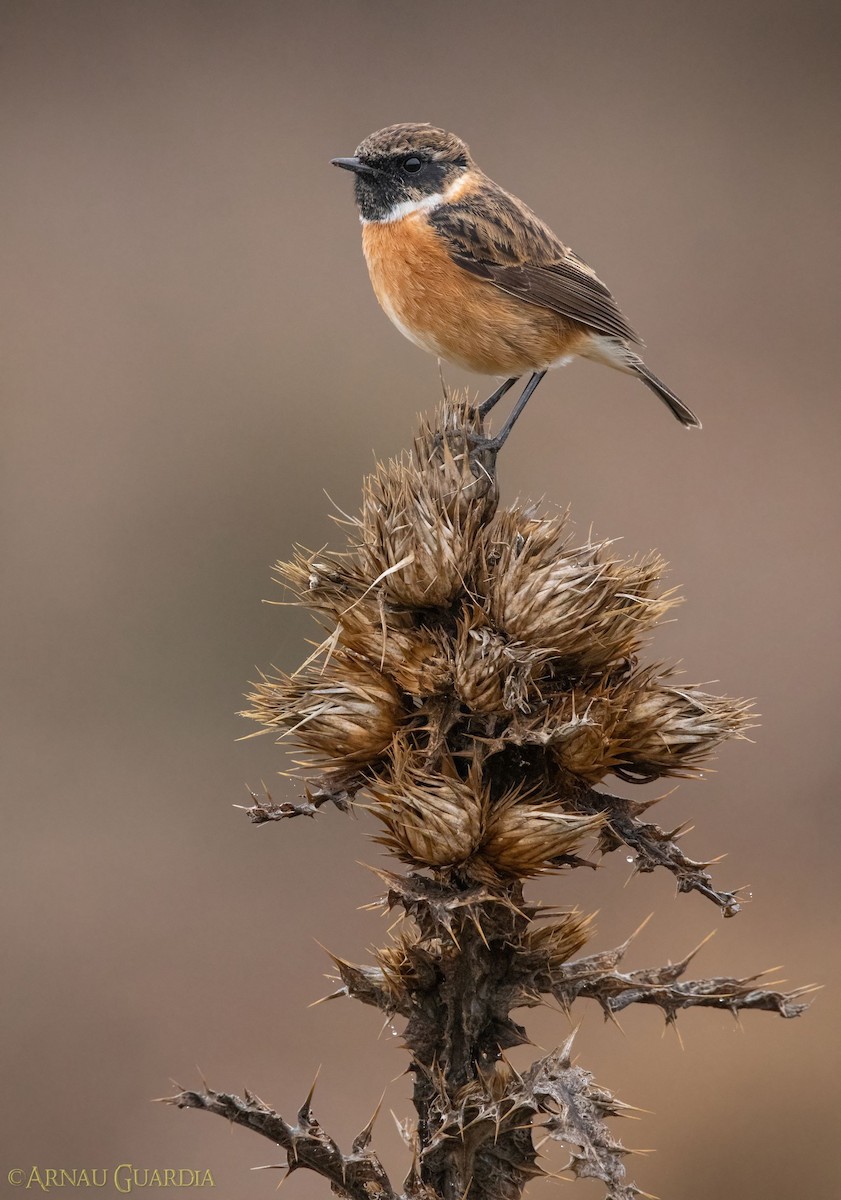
(404, 164)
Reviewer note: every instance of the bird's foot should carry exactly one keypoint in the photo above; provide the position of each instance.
(481, 450)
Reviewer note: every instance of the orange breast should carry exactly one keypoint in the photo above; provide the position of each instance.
(446, 310)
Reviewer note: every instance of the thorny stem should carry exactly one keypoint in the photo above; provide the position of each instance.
(458, 1025)
(359, 1175)
(654, 847)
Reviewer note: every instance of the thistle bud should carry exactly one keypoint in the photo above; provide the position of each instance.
(431, 818)
(576, 604)
(481, 664)
(556, 943)
(421, 513)
(526, 835)
(345, 715)
(668, 730)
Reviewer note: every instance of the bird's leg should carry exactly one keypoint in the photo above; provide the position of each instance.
(488, 404)
(476, 440)
(528, 390)
(484, 450)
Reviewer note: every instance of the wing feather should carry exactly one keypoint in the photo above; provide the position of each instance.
(499, 239)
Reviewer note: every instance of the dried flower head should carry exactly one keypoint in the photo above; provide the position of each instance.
(670, 730)
(468, 646)
(481, 663)
(556, 943)
(415, 656)
(577, 604)
(420, 517)
(434, 818)
(345, 714)
(526, 835)
(443, 818)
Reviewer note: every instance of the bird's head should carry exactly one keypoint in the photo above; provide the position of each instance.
(405, 167)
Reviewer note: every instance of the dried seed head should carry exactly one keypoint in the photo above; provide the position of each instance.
(577, 726)
(556, 943)
(668, 730)
(584, 747)
(410, 543)
(398, 961)
(490, 673)
(636, 726)
(326, 583)
(345, 715)
(421, 513)
(416, 656)
(481, 664)
(439, 819)
(528, 836)
(577, 604)
(432, 819)
(419, 662)
(443, 445)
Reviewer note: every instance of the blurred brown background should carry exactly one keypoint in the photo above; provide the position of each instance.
(192, 354)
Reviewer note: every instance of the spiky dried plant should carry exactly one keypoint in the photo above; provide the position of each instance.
(480, 675)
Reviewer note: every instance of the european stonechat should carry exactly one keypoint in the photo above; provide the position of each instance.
(468, 272)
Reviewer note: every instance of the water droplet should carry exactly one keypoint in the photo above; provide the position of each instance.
(630, 858)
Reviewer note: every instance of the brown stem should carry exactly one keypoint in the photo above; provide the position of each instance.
(359, 1175)
(654, 846)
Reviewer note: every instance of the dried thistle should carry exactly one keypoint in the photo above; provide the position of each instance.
(416, 533)
(346, 711)
(480, 674)
(433, 817)
(577, 605)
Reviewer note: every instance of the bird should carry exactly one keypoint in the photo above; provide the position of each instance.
(468, 272)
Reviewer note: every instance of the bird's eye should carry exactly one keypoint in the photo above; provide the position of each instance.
(412, 164)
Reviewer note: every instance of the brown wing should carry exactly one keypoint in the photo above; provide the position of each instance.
(499, 239)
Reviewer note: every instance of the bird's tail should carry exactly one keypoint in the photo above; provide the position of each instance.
(685, 415)
(618, 354)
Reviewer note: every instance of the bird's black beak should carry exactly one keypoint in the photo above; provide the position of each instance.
(354, 164)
